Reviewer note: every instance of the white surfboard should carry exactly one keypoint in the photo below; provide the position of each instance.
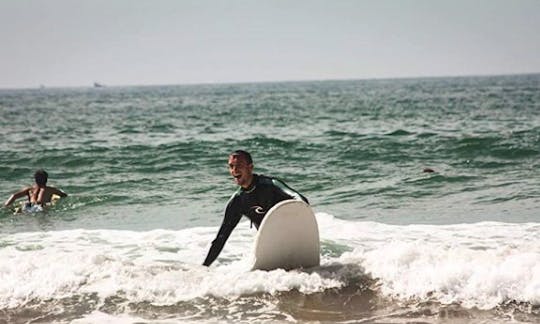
(25, 207)
(288, 238)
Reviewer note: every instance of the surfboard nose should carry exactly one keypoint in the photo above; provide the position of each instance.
(288, 238)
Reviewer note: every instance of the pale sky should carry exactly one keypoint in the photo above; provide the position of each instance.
(130, 42)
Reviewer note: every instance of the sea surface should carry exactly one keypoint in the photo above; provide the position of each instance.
(145, 170)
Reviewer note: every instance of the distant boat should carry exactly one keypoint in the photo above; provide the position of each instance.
(98, 85)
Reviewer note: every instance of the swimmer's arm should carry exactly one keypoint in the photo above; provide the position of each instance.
(59, 192)
(17, 195)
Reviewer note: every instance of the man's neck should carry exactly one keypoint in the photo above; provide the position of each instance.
(251, 183)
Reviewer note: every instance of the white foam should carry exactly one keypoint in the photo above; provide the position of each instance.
(161, 267)
(104, 318)
(476, 265)
(481, 265)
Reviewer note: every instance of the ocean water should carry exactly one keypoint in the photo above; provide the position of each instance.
(145, 170)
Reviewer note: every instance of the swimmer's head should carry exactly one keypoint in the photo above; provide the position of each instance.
(41, 177)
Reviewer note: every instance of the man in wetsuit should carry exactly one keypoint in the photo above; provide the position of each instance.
(38, 194)
(256, 195)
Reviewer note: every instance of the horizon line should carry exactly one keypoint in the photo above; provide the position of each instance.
(217, 83)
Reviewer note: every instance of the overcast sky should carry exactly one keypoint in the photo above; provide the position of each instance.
(130, 42)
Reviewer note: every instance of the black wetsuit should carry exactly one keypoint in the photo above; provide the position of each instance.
(254, 202)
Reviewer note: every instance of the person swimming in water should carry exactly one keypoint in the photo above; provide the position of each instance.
(39, 194)
(256, 195)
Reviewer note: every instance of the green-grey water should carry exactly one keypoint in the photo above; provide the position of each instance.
(141, 159)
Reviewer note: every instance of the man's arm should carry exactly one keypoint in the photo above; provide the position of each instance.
(231, 219)
(59, 192)
(17, 195)
(289, 191)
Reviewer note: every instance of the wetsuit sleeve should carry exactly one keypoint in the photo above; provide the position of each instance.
(289, 191)
(231, 219)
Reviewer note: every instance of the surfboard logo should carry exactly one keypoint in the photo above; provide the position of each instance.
(258, 209)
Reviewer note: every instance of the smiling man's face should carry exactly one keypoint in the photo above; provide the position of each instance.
(241, 170)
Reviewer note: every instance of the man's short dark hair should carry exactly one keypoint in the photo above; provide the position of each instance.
(41, 177)
(245, 155)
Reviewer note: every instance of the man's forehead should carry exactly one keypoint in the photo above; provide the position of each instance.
(236, 158)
